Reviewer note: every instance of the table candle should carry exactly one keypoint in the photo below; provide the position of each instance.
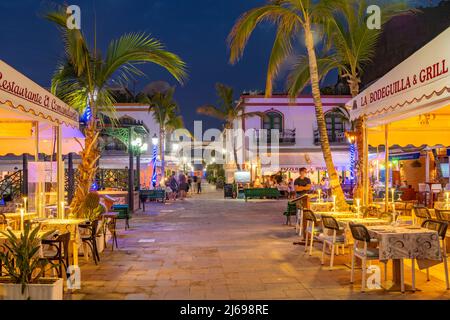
(319, 191)
(21, 219)
(62, 210)
(334, 203)
(358, 206)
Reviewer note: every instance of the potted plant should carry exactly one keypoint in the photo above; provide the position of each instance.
(25, 268)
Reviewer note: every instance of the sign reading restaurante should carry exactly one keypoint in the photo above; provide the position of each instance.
(27, 93)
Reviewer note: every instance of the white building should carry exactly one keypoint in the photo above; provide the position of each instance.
(298, 135)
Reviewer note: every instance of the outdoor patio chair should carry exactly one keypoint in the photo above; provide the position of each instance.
(90, 238)
(291, 211)
(361, 235)
(3, 222)
(110, 225)
(312, 228)
(422, 213)
(424, 192)
(335, 240)
(57, 250)
(441, 228)
(442, 215)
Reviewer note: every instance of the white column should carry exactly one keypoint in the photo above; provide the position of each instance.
(427, 166)
(60, 172)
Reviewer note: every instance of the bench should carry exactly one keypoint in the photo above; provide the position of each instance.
(156, 195)
(261, 193)
(124, 213)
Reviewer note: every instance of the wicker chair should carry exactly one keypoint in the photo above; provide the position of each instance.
(361, 235)
(312, 229)
(441, 228)
(335, 240)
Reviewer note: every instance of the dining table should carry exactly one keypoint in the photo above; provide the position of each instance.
(406, 242)
(321, 206)
(14, 217)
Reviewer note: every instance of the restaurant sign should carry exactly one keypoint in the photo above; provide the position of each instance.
(19, 92)
(421, 76)
(418, 85)
(406, 156)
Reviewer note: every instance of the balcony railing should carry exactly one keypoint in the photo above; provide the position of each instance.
(286, 136)
(335, 138)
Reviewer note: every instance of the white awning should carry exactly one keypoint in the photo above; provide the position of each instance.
(25, 107)
(417, 86)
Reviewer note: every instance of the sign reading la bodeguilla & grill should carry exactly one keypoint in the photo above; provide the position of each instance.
(19, 86)
(422, 76)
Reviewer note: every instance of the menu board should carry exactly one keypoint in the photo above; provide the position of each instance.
(242, 177)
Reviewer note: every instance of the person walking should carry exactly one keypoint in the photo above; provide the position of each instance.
(198, 182)
(183, 186)
(173, 185)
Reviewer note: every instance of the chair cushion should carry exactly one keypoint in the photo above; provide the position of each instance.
(316, 229)
(339, 238)
(371, 252)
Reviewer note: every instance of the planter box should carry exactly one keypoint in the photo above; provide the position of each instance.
(50, 289)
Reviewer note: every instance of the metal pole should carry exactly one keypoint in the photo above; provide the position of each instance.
(130, 171)
(70, 179)
(25, 175)
(366, 165)
(386, 166)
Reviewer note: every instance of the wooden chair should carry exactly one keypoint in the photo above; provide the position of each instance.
(335, 240)
(361, 235)
(90, 238)
(57, 250)
(441, 228)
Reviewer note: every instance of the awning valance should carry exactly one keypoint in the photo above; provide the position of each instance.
(29, 113)
(417, 86)
(19, 93)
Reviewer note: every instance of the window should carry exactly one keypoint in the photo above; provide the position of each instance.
(273, 120)
(335, 126)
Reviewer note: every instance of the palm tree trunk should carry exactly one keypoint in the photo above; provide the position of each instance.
(87, 167)
(358, 192)
(324, 142)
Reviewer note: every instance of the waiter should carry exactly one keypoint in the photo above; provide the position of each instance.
(302, 187)
(302, 184)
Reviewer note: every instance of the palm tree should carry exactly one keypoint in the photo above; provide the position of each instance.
(226, 111)
(291, 17)
(352, 46)
(165, 112)
(83, 77)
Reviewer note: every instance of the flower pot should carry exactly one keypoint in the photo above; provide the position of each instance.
(46, 289)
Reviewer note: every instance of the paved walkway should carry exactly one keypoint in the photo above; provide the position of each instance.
(207, 247)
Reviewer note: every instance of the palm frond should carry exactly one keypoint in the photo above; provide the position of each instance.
(212, 111)
(126, 53)
(246, 24)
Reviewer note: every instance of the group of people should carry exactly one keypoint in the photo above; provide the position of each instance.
(293, 188)
(181, 185)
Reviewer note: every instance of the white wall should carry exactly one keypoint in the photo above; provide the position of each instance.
(300, 115)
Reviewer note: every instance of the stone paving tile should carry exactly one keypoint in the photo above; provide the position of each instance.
(212, 248)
